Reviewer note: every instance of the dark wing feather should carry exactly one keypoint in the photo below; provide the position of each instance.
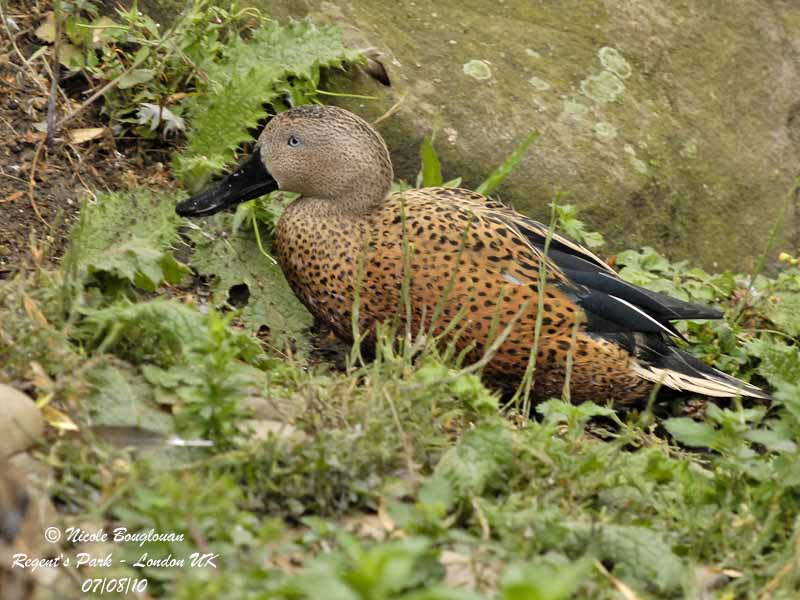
(608, 300)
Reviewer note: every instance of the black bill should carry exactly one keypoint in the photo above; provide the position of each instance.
(250, 180)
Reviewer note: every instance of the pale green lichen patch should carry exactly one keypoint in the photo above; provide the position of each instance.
(605, 131)
(478, 69)
(689, 149)
(613, 61)
(638, 164)
(574, 111)
(539, 84)
(603, 87)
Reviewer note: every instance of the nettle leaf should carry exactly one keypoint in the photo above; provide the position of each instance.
(576, 229)
(777, 439)
(780, 362)
(783, 309)
(135, 77)
(231, 260)
(139, 264)
(128, 236)
(119, 396)
(640, 555)
(386, 568)
(692, 433)
(159, 331)
(253, 74)
(480, 457)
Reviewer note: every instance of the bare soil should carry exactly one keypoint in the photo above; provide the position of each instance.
(42, 185)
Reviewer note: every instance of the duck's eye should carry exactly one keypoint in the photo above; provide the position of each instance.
(293, 141)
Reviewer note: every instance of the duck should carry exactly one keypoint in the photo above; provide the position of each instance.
(454, 264)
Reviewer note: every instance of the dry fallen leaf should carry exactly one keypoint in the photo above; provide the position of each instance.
(78, 136)
(41, 379)
(385, 518)
(57, 419)
(47, 30)
(34, 312)
(12, 197)
(31, 137)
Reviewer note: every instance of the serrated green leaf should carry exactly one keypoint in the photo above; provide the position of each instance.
(783, 309)
(640, 555)
(119, 396)
(480, 456)
(135, 77)
(130, 237)
(139, 264)
(692, 433)
(234, 259)
(773, 439)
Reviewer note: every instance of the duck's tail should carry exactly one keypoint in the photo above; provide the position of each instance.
(681, 371)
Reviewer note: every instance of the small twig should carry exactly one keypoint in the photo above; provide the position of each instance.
(88, 102)
(258, 238)
(14, 177)
(32, 185)
(486, 531)
(341, 95)
(392, 109)
(11, 85)
(50, 75)
(626, 592)
(8, 124)
(54, 74)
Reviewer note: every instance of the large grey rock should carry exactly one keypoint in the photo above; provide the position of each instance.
(673, 124)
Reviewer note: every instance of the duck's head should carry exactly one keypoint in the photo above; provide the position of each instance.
(320, 152)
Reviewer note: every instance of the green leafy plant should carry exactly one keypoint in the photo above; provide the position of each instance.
(149, 70)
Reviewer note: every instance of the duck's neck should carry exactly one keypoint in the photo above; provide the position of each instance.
(353, 207)
(360, 197)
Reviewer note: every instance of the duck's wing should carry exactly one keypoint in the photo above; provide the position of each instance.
(611, 303)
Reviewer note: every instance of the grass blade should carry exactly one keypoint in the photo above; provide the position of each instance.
(431, 166)
(504, 170)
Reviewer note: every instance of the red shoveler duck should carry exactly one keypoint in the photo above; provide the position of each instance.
(470, 258)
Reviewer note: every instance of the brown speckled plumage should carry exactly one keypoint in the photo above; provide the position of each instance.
(494, 278)
(469, 257)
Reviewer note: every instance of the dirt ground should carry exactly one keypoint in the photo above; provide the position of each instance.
(43, 210)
